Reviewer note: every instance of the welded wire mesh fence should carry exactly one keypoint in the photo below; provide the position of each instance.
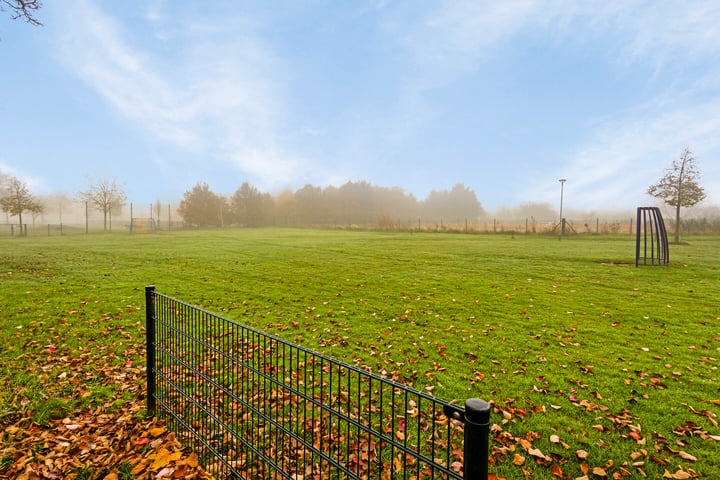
(256, 406)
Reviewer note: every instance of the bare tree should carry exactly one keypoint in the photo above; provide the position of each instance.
(58, 203)
(22, 9)
(105, 195)
(679, 186)
(158, 212)
(15, 198)
(4, 178)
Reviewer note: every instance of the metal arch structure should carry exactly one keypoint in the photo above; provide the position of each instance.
(651, 244)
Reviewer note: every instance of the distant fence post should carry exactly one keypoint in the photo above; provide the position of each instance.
(477, 431)
(150, 345)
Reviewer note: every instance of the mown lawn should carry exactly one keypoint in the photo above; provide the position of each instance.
(601, 367)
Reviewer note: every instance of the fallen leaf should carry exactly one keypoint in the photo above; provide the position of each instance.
(162, 458)
(165, 472)
(535, 452)
(687, 456)
(679, 475)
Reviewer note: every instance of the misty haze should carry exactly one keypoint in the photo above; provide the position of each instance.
(359, 240)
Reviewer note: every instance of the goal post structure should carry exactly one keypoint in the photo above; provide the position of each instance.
(143, 225)
(651, 241)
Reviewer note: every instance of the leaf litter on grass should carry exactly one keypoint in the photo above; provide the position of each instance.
(111, 440)
(622, 422)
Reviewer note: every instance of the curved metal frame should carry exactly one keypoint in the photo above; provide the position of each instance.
(650, 224)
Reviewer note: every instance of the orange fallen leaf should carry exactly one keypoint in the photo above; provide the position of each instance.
(180, 471)
(139, 468)
(162, 458)
(192, 460)
(679, 475)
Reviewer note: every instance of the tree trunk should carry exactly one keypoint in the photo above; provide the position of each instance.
(105, 220)
(679, 199)
(21, 224)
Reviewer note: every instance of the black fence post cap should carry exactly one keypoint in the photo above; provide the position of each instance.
(477, 411)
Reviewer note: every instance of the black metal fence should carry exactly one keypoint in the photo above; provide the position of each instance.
(256, 406)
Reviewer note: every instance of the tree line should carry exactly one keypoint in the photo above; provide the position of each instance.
(354, 203)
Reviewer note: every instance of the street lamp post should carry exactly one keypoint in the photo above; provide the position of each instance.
(562, 223)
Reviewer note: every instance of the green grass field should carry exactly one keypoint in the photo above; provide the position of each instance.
(602, 367)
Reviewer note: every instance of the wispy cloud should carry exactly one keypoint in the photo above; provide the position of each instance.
(214, 87)
(624, 156)
(214, 94)
(633, 30)
(624, 152)
(34, 182)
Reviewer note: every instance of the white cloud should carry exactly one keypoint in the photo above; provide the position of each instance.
(626, 155)
(213, 94)
(454, 36)
(35, 183)
(626, 152)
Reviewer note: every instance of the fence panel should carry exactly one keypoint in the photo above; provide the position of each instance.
(256, 406)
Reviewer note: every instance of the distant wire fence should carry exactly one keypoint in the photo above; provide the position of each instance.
(256, 406)
(691, 226)
(58, 229)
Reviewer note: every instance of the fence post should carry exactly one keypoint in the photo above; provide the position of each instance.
(150, 346)
(477, 431)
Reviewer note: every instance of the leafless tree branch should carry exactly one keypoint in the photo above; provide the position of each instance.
(25, 9)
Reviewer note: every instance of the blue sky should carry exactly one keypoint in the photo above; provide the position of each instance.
(506, 96)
